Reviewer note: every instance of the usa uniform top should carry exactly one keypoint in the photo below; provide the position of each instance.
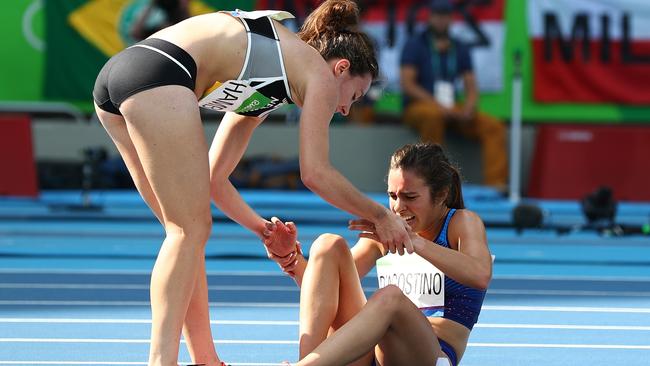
(462, 303)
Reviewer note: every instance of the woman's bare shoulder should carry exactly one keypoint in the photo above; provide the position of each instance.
(305, 67)
(465, 219)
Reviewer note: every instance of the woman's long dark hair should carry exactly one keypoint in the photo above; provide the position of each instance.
(429, 162)
(333, 29)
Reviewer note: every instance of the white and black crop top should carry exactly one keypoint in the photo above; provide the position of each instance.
(262, 85)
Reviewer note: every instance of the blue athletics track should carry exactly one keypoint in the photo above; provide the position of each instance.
(74, 283)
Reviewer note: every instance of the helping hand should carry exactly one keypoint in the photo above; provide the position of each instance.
(390, 230)
(281, 244)
(280, 238)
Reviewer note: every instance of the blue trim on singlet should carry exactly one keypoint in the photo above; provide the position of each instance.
(462, 303)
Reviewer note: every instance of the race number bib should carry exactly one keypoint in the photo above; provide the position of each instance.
(237, 96)
(444, 93)
(419, 280)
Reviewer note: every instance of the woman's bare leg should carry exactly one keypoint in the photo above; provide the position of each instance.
(388, 319)
(196, 329)
(331, 293)
(115, 126)
(165, 128)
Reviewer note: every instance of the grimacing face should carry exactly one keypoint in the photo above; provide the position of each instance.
(410, 198)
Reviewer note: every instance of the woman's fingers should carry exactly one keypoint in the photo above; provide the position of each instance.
(369, 235)
(361, 225)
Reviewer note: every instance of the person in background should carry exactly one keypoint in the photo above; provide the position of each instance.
(173, 11)
(431, 64)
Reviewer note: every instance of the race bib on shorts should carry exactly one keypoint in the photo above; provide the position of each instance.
(422, 282)
(444, 93)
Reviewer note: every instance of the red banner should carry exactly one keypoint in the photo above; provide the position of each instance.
(479, 23)
(17, 166)
(591, 51)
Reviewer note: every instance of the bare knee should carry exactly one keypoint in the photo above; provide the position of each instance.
(329, 245)
(193, 230)
(390, 299)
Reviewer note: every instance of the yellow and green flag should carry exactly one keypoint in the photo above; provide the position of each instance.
(82, 34)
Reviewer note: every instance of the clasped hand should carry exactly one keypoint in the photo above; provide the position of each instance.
(281, 244)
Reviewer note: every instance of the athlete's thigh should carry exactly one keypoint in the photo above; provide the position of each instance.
(410, 340)
(165, 126)
(115, 126)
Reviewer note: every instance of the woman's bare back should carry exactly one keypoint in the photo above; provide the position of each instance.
(218, 43)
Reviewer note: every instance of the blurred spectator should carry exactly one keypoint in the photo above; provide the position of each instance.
(431, 63)
(150, 20)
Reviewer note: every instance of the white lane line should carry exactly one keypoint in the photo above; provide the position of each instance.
(127, 272)
(145, 287)
(124, 340)
(572, 278)
(71, 303)
(295, 305)
(139, 321)
(563, 326)
(83, 286)
(296, 323)
(140, 303)
(286, 342)
(579, 309)
(557, 345)
(99, 363)
(571, 293)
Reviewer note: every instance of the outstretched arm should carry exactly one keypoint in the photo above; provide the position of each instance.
(227, 149)
(283, 239)
(323, 179)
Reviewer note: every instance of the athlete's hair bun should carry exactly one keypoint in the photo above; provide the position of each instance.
(340, 15)
(333, 29)
(333, 16)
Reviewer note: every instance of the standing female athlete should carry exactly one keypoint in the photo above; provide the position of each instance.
(246, 64)
(339, 327)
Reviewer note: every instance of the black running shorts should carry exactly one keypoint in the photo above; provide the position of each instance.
(145, 65)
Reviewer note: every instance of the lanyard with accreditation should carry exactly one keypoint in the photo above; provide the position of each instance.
(443, 86)
(419, 280)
